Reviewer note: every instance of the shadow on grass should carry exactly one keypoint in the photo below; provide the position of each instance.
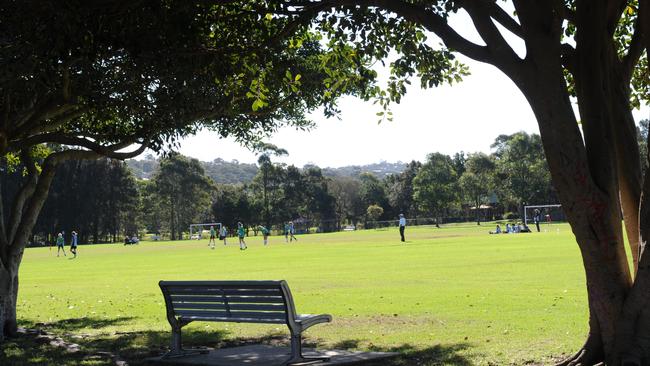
(134, 347)
(75, 324)
(455, 354)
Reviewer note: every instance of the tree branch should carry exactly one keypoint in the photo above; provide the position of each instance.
(615, 9)
(413, 13)
(23, 195)
(36, 201)
(568, 57)
(498, 14)
(435, 24)
(563, 11)
(52, 108)
(63, 139)
(480, 14)
(644, 18)
(636, 48)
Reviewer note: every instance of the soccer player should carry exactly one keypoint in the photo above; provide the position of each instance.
(265, 233)
(60, 243)
(241, 233)
(402, 225)
(292, 231)
(223, 233)
(73, 244)
(536, 218)
(286, 232)
(213, 235)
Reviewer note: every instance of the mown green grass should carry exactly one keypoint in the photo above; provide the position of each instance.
(488, 299)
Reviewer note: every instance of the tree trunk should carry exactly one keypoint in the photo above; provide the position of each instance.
(8, 297)
(592, 207)
(172, 226)
(14, 238)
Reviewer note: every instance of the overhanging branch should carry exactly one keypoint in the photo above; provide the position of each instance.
(497, 13)
(563, 11)
(498, 46)
(635, 50)
(110, 151)
(412, 12)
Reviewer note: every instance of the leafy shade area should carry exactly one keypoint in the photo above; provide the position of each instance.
(513, 299)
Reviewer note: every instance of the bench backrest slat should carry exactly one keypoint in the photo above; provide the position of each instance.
(230, 292)
(231, 299)
(232, 307)
(236, 301)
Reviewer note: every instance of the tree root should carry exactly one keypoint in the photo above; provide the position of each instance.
(591, 354)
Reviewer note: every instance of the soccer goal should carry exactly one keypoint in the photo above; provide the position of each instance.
(196, 230)
(547, 213)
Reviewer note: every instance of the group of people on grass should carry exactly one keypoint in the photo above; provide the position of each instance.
(60, 244)
(289, 234)
(512, 229)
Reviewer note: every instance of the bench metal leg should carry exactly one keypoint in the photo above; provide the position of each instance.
(177, 350)
(297, 358)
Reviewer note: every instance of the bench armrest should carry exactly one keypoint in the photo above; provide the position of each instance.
(307, 320)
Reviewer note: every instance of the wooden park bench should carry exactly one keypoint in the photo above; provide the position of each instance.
(267, 302)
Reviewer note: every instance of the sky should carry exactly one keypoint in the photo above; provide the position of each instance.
(464, 117)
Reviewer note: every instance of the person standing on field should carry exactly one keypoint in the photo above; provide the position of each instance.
(402, 225)
(223, 233)
(536, 218)
(213, 235)
(60, 245)
(73, 244)
(265, 234)
(286, 232)
(241, 233)
(292, 231)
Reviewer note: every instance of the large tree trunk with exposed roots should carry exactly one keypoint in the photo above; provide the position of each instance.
(16, 228)
(596, 173)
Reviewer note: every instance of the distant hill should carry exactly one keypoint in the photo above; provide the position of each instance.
(381, 170)
(143, 168)
(221, 171)
(229, 172)
(232, 172)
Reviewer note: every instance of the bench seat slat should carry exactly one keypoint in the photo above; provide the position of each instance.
(233, 307)
(235, 320)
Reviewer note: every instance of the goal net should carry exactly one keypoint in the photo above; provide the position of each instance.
(545, 214)
(196, 230)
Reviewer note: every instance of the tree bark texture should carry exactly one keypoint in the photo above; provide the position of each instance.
(595, 171)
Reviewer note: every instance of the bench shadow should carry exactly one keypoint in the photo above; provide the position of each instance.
(33, 348)
(75, 324)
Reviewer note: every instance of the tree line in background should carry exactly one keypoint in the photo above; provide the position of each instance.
(103, 201)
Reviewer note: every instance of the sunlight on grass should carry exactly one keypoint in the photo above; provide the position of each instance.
(504, 298)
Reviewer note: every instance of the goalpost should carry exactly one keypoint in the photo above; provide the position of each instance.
(200, 227)
(544, 207)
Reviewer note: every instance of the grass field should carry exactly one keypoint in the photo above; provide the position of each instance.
(453, 295)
